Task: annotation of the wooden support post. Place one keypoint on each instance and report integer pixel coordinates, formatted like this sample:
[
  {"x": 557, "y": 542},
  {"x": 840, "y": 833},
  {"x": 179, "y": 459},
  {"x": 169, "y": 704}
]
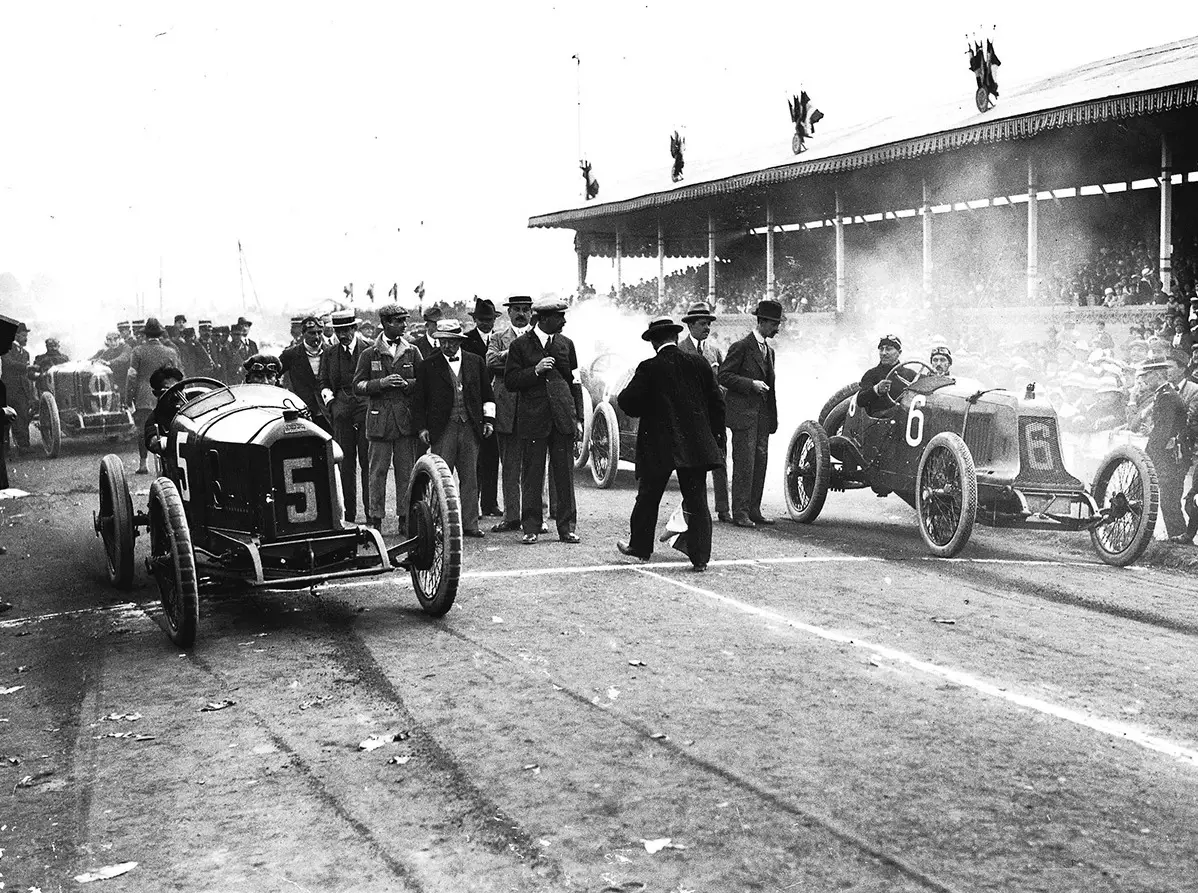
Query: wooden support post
[
  {"x": 769, "y": 249},
  {"x": 839, "y": 256},
  {"x": 661, "y": 265},
  {"x": 926, "y": 210},
  {"x": 1033, "y": 233},
  {"x": 711, "y": 259},
  {"x": 1166, "y": 254},
  {"x": 619, "y": 265}
]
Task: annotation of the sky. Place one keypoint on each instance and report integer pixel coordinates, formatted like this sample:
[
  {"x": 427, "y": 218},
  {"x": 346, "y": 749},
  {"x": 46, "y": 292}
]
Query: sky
[{"x": 396, "y": 142}]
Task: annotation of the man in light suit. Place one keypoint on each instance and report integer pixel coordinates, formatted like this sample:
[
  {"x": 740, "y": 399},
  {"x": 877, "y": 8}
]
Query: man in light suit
[
  {"x": 681, "y": 412},
  {"x": 477, "y": 342},
  {"x": 454, "y": 410},
  {"x": 301, "y": 369},
  {"x": 346, "y": 410},
  {"x": 519, "y": 309},
  {"x": 542, "y": 367},
  {"x": 386, "y": 376},
  {"x": 699, "y": 319},
  {"x": 752, "y": 411}
]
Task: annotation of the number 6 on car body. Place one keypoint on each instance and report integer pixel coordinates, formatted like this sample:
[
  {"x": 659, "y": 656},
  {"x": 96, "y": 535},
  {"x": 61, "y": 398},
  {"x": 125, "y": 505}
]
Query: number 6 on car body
[{"x": 915, "y": 421}]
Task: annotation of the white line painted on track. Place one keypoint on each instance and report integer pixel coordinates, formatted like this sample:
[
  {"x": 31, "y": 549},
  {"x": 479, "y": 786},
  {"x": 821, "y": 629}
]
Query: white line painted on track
[
  {"x": 957, "y": 677},
  {"x": 122, "y": 610}
]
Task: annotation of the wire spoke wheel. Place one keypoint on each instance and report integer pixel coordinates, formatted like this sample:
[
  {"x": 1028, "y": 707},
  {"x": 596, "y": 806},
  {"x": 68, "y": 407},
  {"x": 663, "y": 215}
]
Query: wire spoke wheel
[
  {"x": 605, "y": 445},
  {"x": 435, "y": 520},
  {"x": 1126, "y": 491},
  {"x": 807, "y": 472},
  {"x": 582, "y": 445},
  {"x": 946, "y": 495},
  {"x": 49, "y": 425},
  {"x": 172, "y": 563}
]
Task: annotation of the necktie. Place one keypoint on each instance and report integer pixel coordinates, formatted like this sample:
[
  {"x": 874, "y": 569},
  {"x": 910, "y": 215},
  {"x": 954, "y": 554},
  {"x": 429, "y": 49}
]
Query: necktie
[{"x": 701, "y": 353}]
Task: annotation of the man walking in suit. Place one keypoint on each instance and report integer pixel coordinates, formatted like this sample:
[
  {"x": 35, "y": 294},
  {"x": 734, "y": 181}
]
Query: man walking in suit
[
  {"x": 424, "y": 344},
  {"x": 542, "y": 367},
  {"x": 699, "y": 319},
  {"x": 15, "y": 375},
  {"x": 681, "y": 412},
  {"x": 146, "y": 359},
  {"x": 478, "y": 340},
  {"x": 346, "y": 410},
  {"x": 454, "y": 410},
  {"x": 752, "y": 410},
  {"x": 301, "y": 369},
  {"x": 519, "y": 309},
  {"x": 386, "y": 376}
]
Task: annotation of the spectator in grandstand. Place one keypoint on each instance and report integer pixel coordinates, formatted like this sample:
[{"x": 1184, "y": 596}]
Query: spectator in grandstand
[
  {"x": 1102, "y": 338},
  {"x": 1182, "y": 340}
]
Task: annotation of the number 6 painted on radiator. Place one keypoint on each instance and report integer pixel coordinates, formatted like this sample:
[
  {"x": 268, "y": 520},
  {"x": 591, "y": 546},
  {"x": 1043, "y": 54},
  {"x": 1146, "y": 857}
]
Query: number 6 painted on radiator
[{"x": 915, "y": 420}]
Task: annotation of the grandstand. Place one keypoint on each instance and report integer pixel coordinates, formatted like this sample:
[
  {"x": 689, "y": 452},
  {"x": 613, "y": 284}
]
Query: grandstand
[{"x": 1103, "y": 160}]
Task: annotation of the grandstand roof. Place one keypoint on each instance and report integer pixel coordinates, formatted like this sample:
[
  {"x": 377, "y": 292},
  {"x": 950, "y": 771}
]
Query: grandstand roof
[{"x": 1148, "y": 82}]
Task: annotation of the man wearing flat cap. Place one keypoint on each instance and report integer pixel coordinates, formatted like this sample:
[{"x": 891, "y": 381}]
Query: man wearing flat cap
[
  {"x": 454, "y": 412},
  {"x": 542, "y": 368},
  {"x": 301, "y": 369},
  {"x": 478, "y": 340},
  {"x": 878, "y": 389},
  {"x": 8, "y": 415},
  {"x": 519, "y": 310},
  {"x": 681, "y": 423},
  {"x": 698, "y": 320},
  {"x": 347, "y": 410},
  {"x": 145, "y": 360},
  {"x": 386, "y": 377},
  {"x": 14, "y": 373},
  {"x": 424, "y": 343},
  {"x": 752, "y": 412}
]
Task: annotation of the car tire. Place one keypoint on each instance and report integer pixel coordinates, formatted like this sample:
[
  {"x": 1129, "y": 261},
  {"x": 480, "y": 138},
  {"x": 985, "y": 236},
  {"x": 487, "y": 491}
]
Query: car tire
[
  {"x": 1126, "y": 474},
  {"x": 833, "y": 422},
  {"x": 49, "y": 425},
  {"x": 835, "y": 400},
  {"x": 172, "y": 563},
  {"x": 946, "y": 494},
  {"x": 582, "y": 448},
  {"x": 435, "y": 520},
  {"x": 605, "y": 445},
  {"x": 114, "y": 521},
  {"x": 807, "y": 472}
]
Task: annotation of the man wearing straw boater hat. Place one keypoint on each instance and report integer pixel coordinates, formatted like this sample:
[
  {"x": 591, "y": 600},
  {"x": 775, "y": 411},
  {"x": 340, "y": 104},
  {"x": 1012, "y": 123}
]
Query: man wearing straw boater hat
[
  {"x": 454, "y": 410},
  {"x": 681, "y": 412},
  {"x": 698, "y": 320},
  {"x": 345, "y": 409},
  {"x": 478, "y": 340},
  {"x": 752, "y": 411}
]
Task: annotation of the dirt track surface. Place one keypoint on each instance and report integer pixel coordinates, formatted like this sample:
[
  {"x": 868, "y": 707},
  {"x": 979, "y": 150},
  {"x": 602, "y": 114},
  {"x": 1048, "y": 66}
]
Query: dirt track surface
[{"x": 825, "y": 709}]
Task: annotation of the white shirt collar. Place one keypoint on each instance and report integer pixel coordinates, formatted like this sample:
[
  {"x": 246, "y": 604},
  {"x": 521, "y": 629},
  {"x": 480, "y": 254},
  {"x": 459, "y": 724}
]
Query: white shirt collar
[
  {"x": 520, "y": 331},
  {"x": 542, "y": 335},
  {"x": 456, "y": 363},
  {"x": 662, "y": 347},
  {"x": 760, "y": 339}
]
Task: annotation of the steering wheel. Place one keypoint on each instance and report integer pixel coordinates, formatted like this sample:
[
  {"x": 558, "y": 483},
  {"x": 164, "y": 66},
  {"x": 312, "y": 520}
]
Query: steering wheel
[
  {"x": 917, "y": 368},
  {"x": 190, "y": 388}
]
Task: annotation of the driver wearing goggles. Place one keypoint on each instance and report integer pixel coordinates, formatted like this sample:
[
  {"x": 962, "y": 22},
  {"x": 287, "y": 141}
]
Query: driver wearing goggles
[
  {"x": 879, "y": 390},
  {"x": 941, "y": 360},
  {"x": 262, "y": 368}
]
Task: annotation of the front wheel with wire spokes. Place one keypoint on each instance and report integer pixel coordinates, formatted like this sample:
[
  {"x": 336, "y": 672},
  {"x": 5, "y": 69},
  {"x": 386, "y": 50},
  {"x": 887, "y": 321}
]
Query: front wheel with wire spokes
[
  {"x": 807, "y": 472},
  {"x": 172, "y": 563},
  {"x": 946, "y": 494},
  {"x": 435, "y": 520},
  {"x": 1126, "y": 491}
]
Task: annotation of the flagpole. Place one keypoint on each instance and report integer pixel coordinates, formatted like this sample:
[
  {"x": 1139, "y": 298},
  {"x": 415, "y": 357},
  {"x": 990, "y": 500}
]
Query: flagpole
[{"x": 578, "y": 98}]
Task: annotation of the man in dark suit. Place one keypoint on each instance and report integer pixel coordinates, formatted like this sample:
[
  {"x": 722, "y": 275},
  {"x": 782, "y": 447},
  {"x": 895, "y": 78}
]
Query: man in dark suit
[
  {"x": 301, "y": 369},
  {"x": 478, "y": 341},
  {"x": 424, "y": 344},
  {"x": 542, "y": 367},
  {"x": 698, "y": 341},
  {"x": 22, "y": 398},
  {"x": 681, "y": 412},
  {"x": 752, "y": 411},
  {"x": 520, "y": 314},
  {"x": 8, "y": 332},
  {"x": 345, "y": 409},
  {"x": 454, "y": 411},
  {"x": 386, "y": 377}
]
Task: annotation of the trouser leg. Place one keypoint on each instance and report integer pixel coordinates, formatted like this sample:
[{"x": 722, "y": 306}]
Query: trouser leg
[
  {"x": 643, "y": 522},
  {"x": 380, "y": 458},
  {"x": 488, "y": 474},
  {"x": 139, "y": 425},
  {"x": 561, "y": 467},
  {"x": 361, "y": 455},
  {"x": 1169, "y": 477},
  {"x": 744, "y": 451},
  {"x": 693, "y": 484},
  {"x": 20, "y": 431},
  {"x": 404, "y": 457},
  {"x": 532, "y": 480},
  {"x": 761, "y": 456},
  {"x": 1191, "y": 504},
  {"x": 719, "y": 479},
  {"x": 346, "y": 437},
  {"x": 3, "y": 453},
  {"x": 510, "y": 453},
  {"x": 458, "y": 446}
]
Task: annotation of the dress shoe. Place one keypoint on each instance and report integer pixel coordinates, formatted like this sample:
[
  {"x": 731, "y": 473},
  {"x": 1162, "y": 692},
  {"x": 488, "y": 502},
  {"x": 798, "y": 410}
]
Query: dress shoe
[
  {"x": 698, "y": 568},
  {"x": 493, "y": 512},
  {"x": 528, "y": 539},
  {"x": 624, "y": 549},
  {"x": 544, "y": 528},
  {"x": 142, "y": 470},
  {"x": 743, "y": 521},
  {"x": 1182, "y": 540},
  {"x": 724, "y": 517},
  {"x": 474, "y": 534},
  {"x": 572, "y": 538},
  {"x": 759, "y": 519},
  {"x": 505, "y": 527}
]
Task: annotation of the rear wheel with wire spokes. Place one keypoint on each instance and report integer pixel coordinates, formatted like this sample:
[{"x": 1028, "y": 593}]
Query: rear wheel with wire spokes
[
  {"x": 435, "y": 520},
  {"x": 1125, "y": 487}
]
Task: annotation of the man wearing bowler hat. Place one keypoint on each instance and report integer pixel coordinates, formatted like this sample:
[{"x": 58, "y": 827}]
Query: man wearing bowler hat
[
  {"x": 519, "y": 311},
  {"x": 301, "y": 369},
  {"x": 346, "y": 410},
  {"x": 454, "y": 411},
  {"x": 681, "y": 412},
  {"x": 752, "y": 411},
  {"x": 542, "y": 368},
  {"x": 386, "y": 377},
  {"x": 698, "y": 320},
  {"x": 478, "y": 340}
]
